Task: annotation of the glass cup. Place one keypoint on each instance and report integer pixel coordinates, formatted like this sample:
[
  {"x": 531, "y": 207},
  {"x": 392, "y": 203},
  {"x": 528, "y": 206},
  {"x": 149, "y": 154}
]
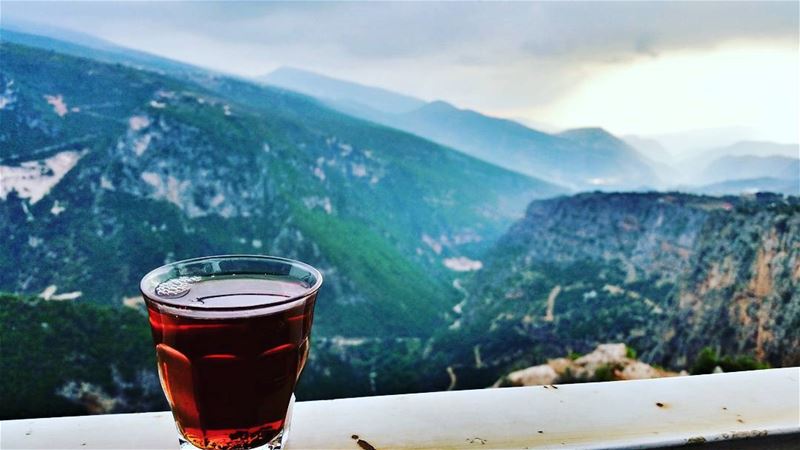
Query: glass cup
[{"x": 232, "y": 337}]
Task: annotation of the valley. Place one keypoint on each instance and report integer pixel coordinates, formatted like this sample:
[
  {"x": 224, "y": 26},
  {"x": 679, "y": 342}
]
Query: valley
[
  {"x": 143, "y": 169},
  {"x": 457, "y": 248}
]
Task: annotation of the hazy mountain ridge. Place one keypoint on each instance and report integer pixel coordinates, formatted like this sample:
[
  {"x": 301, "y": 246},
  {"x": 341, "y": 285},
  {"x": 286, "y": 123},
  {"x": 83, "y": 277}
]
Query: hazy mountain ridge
[
  {"x": 684, "y": 143},
  {"x": 742, "y": 160},
  {"x": 738, "y": 167},
  {"x": 650, "y": 148},
  {"x": 580, "y": 161},
  {"x": 335, "y": 90},
  {"x": 584, "y": 159},
  {"x": 614, "y": 156},
  {"x": 87, "y": 46},
  {"x": 744, "y": 167},
  {"x": 750, "y": 185},
  {"x": 747, "y": 148}
]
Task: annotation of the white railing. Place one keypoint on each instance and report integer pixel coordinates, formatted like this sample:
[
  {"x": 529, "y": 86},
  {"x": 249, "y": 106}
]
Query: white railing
[{"x": 758, "y": 409}]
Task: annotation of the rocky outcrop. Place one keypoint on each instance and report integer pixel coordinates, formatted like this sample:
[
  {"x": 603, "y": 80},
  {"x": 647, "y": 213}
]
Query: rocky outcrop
[
  {"x": 606, "y": 363},
  {"x": 88, "y": 395},
  {"x": 644, "y": 234},
  {"x": 742, "y": 294},
  {"x": 669, "y": 274}
]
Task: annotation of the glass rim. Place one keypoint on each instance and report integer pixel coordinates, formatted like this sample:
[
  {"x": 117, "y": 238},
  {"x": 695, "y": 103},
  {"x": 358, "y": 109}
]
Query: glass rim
[{"x": 292, "y": 262}]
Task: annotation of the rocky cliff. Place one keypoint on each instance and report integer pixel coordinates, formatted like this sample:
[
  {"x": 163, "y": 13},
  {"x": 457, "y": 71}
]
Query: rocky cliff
[
  {"x": 669, "y": 274},
  {"x": 741, "y": 293}
]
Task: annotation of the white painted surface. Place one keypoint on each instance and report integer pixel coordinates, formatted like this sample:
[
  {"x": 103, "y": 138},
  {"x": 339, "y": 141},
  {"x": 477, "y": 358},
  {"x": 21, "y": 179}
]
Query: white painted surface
[{"x": 622, "y": 414}]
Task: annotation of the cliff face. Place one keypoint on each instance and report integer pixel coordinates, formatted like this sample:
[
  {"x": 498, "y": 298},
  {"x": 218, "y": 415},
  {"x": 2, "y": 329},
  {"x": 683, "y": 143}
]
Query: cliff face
[
  {"x": 742, "y": 291},
  {"x": 668, "y": 274},
  {"x": 644, "y": 234}
]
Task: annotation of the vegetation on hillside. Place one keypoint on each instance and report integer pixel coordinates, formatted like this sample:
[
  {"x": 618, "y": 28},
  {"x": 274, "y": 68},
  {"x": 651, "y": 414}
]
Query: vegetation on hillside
[
  {"x": 172, "y": 168},
  {"x": 668, "y": 274},
  {"x": 175, "y": 168},
  {"x": 69, "y": 358}
]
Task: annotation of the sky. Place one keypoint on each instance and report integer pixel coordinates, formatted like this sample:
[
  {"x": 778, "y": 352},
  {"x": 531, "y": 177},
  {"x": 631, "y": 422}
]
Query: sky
[{"x": 645, "y": 68}]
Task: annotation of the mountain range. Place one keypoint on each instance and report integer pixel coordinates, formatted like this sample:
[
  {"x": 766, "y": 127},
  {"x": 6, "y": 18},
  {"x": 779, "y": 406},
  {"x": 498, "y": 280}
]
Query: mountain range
[
  {"x": 630, "y": 163},
  {"x": 231, "y": 167},
  {"x": 580, "y": 159},
  {"x": 450, "y": 256},
  {"x": 342, "y": 92},
  {"x": 746, "y": 166},
  {"x": 108, "y": 170},
  {"x": 84, "y": 45}
]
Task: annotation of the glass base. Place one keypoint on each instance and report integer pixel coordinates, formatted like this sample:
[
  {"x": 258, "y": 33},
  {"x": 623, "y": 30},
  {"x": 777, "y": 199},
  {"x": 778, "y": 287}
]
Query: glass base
[{"x": 277, "y": 443}]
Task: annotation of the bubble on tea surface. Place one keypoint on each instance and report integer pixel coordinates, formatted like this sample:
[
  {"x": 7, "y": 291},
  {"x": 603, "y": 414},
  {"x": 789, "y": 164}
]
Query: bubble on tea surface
[{"x": 176, "y": 287}]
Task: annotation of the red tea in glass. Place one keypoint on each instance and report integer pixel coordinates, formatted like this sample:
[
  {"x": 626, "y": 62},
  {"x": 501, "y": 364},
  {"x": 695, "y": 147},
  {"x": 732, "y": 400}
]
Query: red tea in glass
[{"x": 232, "y": 337}]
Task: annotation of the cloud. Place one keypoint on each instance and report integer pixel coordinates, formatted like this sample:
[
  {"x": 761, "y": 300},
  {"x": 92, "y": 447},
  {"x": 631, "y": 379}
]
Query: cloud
[
  {"x": 500, "y": 57},
  {"x": 487, "y": 32}
]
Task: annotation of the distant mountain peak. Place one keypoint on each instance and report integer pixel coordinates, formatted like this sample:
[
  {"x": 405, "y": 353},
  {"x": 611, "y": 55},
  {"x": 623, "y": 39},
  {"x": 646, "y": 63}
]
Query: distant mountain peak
[
  {"x": 579, "y": 158},
  {"x": 334, "y": 89},
  {"x": 595, "y": 137},
  {"x": 440, "y": 104},
  {"x": 588, "y": 132}
]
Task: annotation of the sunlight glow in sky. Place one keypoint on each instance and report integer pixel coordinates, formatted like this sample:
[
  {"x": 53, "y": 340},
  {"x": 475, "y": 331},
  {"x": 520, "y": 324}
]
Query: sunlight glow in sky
[
  {"x": 646, "y": 68},
  {"x": 736, "y": 84}
]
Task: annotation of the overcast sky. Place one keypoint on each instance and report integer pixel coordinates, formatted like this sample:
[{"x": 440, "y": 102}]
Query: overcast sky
[{"x": 643, "y": 67}]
